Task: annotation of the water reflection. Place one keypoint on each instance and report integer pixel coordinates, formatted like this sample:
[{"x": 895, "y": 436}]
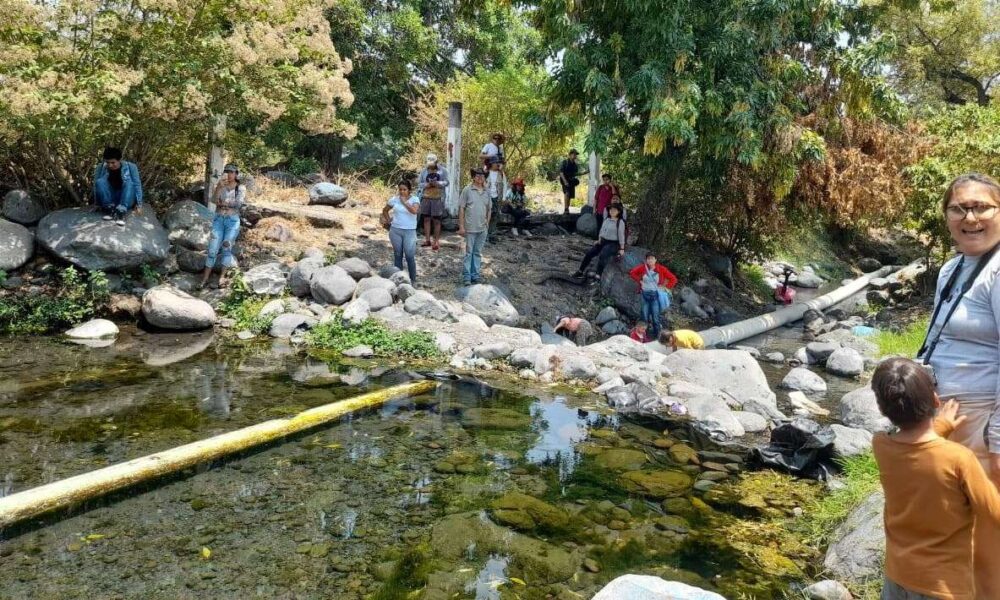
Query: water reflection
[
  {"x": 562, "y": 428},
  {"x": 490, "y": 578}
]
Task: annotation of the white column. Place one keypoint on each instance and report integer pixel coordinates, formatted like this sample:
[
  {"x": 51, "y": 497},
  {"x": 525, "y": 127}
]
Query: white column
[
  {"x": 594, "y": 179},
  {"x": 454, "y": 157},
  {"x": 216, "y": 158}
]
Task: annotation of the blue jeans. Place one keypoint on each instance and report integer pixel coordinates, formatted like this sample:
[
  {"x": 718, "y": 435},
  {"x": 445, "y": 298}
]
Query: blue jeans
[
  {"x": 225, "y": 229},
  {"x": 473, "y": 256},
  {"x": 404, "y": 243},
  {"x": 651, "y": 310},
  {"x": 108, "y": 198}
]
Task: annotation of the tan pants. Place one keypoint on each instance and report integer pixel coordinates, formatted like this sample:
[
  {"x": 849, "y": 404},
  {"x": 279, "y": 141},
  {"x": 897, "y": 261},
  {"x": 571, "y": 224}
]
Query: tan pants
[{"x": 985, "y": 536}]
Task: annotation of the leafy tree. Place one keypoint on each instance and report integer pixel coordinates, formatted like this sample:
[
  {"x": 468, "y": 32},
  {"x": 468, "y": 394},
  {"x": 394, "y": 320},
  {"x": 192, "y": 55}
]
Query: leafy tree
[
  {"x": 150, "y": 76},
  {"x": 512, "y": 100},
  {"x": 949, "y": 50},
  {"x": 715, "y": 93}
]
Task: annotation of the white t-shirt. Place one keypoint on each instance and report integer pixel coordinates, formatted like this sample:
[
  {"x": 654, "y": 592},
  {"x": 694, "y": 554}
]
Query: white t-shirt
[
  {"x": 491, "y": 149},
  {"x": 493, "y": 184}
]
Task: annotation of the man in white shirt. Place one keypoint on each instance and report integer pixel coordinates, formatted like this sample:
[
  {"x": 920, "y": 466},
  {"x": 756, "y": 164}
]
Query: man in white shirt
[{"x": 493, "y": 149}]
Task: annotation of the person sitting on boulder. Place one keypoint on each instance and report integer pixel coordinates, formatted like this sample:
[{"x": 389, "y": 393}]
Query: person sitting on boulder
[
  {"x": 651, "y": 277},
  {"x": 117, "y": 187},
  {"x": 682, "y": 339},
  {"x": 936, "y": 490},
  {"x": 639, "y": 333},
  {"x": 610, "y": 239},
  {"x": 431, "y": 185},
  {"x": 574, "y": 328},
  {"x": 514, "y": 205},
  {"x": 229, "y": 195}
]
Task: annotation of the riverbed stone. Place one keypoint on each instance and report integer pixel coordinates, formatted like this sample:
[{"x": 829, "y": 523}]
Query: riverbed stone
[
  {"x": 859, "y": 409},
  {"x": 621, "y": 459},
  {"x": 714, "y": 415},
  {"x": 325, "y": 193},
  {"x": 93, "y": 329},
  {"x": 751, "y": 422},
  {"x": 301, "y": 275},
  {"x": 360, "y": 351},
  {"x": 283, "y": 326},
  {"x": 803, "y": 380},
  {"x": 846, "y": 362},
  {"x": 774, "y": 357},
  {"x": 356, "y": 311},
  {"x": 657, "y": 484},
  {"x": 376, "y": 282},
  {"x": 608, "y": 313},
  {"x": 169, "y": 308},
  {"x": 20, "y": 207},
  {"x": 827, "y": 590},
  {"x": 273, "y": 308},
  {"x": 355, "y": 267},
  {"x": 729, "y": 373},
  {"x": 575, "y": 366},
  {"x": 82, "y": 237},
  {"x": 820, "y": 351},
  {"x": 526, "y": 513},
  {"x": 848, "y": 441},
  {"x": 493, "y": 350},
  {"x": 845, "y": 338},
  {"x": 444, "y": 342},
  {"x": 495, "y": 418},
  {"x": 855, "y": 555},
  {"x": 332, "y": 285},
  {"x": 268, "y": 279},
  {"x": 424, "y": 304},
  {"x": 621, "y": 348},
  {"x": 490, "y": 303},
  {"x": 648, "y": 587},
  {"x": 522, "y": 358},
  {"x": 377, "y": 298},
  {"x": 16, "y": 245}
]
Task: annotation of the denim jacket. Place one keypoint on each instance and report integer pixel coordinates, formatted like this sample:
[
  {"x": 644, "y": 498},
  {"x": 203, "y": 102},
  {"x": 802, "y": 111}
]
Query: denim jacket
[{"x": 130, "y": 179}]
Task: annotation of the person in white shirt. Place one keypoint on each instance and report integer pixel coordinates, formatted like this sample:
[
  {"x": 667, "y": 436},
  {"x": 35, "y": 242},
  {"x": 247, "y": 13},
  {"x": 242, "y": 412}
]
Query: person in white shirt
[
  {"x": 496, "y": 184},
  {"x": 493, "y": 149}
]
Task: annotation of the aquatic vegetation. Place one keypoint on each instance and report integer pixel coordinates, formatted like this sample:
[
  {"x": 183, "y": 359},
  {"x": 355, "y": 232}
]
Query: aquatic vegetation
[
  {"x": 243, "y": 306},
  {"x": 905, "y": 342},
  {"x": 77, "y": 297},
  {"x": 338, "y": 335}
]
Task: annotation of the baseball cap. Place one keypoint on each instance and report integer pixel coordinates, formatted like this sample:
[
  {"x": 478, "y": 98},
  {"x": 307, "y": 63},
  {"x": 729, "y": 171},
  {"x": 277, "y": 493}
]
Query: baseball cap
[
  {"x": 432, "y": 158},
  {"x": 477, "y": 171},
  {"x": 230, "y": 168}
]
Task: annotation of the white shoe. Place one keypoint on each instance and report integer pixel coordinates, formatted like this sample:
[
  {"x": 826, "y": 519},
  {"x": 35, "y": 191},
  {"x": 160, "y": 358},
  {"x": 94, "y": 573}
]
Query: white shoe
[
  {"x": 107, "y": 217},
  {"x": 514, "y": 231},
  {"x": 526, "y": 233}
]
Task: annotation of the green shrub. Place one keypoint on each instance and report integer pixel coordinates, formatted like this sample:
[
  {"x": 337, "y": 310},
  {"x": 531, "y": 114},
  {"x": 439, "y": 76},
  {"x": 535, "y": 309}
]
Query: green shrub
[
  {"x": 243, "y": 306},
  {"x": 303, "y": 165},
  {"x": 76, "y": 299},
  {"x": 339, "y": 335},
  {"x": 758, "y": 281},
  {"x": 906, "y": 342}
]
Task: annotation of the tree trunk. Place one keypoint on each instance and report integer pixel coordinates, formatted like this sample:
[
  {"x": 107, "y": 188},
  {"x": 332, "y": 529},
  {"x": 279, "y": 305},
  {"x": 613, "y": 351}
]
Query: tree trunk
[
  {"x": 328, "y": 149},
  {"x": 651, "y": 222}
]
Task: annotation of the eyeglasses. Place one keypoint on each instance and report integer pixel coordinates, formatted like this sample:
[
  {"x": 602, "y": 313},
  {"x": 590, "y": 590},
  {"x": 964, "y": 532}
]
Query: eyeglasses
[{"x": 980, "y": 211}]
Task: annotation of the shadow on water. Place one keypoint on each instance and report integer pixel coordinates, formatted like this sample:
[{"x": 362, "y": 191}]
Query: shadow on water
[{"x": 470, "y": 491}]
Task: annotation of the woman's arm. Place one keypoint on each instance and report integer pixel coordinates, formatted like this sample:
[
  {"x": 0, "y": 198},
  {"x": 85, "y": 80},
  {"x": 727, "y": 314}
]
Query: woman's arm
[
  {"x": 386, "y": 209},
  {"x": 993, "y": 428},
  {"x": 412, "y": 205}
]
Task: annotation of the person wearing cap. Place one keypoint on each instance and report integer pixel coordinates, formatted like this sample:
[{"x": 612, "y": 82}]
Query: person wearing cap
[
  {"x": 493, "y": 149},
  {"x": 430, "y": 187},
  {"x": 569, "y": 172},
  {"x": 117, "y": 186},
  {"x": 473, "y": 225},
  {"x": 496, "y": 183},
  {"x": 514, "y": 205},
  {"x": 228, "y": 196}
]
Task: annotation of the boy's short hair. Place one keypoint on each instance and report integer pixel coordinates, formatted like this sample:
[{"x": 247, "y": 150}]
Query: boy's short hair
[
  {"x": 665, "y": 337},
  {"x": 641, "y": 324},
  {"x": 904, "y": 391},
  {"x": 606, "y": 176},
  {"x": 112, "y": 153},
  {"x": 650, "y": 255}
]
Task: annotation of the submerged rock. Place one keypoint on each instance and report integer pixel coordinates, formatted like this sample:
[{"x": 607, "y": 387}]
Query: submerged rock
[
  {"x": 495, "y": 418},
  {"x": 657, "y": 484},
  {"x": 621, "y": 459},
  {"x": 526, "y": 513}
]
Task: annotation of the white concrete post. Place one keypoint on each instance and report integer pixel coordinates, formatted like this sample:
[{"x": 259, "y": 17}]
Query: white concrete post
[
  {"x": 216, "y": 158},
  {"x": 454, "y": 157},
  {"x": 594, "y": 180}
]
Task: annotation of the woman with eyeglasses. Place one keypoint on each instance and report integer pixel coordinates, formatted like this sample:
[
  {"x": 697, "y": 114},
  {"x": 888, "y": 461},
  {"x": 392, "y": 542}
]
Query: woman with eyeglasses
[{"x": 962, "y": 345}]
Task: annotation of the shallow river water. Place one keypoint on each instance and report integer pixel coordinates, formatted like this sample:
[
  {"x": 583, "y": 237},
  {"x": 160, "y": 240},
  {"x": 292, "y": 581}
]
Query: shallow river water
[{"x": 468, "y": 492}]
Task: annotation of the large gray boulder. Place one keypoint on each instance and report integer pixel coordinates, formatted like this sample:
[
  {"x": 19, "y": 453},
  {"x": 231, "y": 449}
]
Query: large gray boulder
[
  {"x": 731, "y": 374},
  {"x": 20, "y": 207},
  {"x": 424, "y": 304},
  {"x": 575, "y": 366},
  {"x": 189, "y": 224},
  {"x": 355, "y": 267},
  {"x": 268, "y": 279},
  {"x": 648, "y": 587},
  {"x": 803, "y": 380},
  {"x": 608, "y": 313},
  {"x": 713, "y": 415},
  {"x": 332, "y": 285},
  {"x": 621, "y": 349},
  {"x": 82, "y": 237},
  {"x": 586, "y": 225},
  {"x": 169, "y": 308},
  {"x": 848, "y": 441},
  {"x": 381, "y": 283},
  {"x": 619, "y": 287},
  {"x": 859, "y": 409},
  {"x": 16, "y": 245},
  {"x": 377, "y": 298},
  {"x": 846, "y": 362},
  {"x": 301, "y": 276},
  {"x": 845, "y": 338},
  {"x": 489, "y": 303},
  {"x": 283, "y": 326},
  {"x": 858, "y": 546},
  {"x": 327, "y": 194},
  {"x": 189, "y": 261}
]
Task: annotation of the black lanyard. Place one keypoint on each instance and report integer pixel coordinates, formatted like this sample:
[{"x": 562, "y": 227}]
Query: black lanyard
[{"x": 927, "y": 349}]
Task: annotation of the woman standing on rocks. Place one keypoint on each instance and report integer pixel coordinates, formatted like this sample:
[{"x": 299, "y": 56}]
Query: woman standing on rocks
[
  {"x": 228, "y": 197},
  {"x": 403, "y": 227},
  {"x": 963, "y": 342}
]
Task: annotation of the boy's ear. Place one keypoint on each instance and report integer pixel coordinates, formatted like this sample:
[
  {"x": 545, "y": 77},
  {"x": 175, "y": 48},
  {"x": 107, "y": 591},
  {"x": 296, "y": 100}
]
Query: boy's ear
[{"x": 937, "y": 400}]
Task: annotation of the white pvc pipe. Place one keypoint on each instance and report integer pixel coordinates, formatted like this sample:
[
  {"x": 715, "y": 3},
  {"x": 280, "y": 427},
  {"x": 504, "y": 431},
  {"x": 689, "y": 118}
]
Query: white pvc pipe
[{"x": 728, "y": 334}]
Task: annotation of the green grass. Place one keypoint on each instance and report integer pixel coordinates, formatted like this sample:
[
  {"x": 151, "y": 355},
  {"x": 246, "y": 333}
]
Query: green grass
[
  {"x": 757, "y": 278},
  {"x": 904, "y": 343},
  {"x": 339, "y": 335},
  {"x": 243, "y": 306}
]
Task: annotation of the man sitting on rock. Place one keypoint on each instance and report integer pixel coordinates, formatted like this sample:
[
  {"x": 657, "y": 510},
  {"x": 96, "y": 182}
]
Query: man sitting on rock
[{"x": 117, "y": 187}]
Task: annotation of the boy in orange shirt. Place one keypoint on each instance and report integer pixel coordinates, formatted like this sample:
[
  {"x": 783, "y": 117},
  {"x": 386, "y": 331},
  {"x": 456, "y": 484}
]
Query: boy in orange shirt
[{"x": 935, "y": 490}]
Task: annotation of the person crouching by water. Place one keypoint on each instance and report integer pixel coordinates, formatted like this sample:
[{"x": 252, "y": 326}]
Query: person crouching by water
[
  {"x": 403, "y": 228},
  {"x": 117, "y": 187},
  {"x": 574, "y": 328},
  {"x": 431, "y": 185},
  {"x": 936, "y": 491},
  {"x": 228, "y": 196},
  {"x": 681, "y": 339},
  {"x": 610, "y": 240}
]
